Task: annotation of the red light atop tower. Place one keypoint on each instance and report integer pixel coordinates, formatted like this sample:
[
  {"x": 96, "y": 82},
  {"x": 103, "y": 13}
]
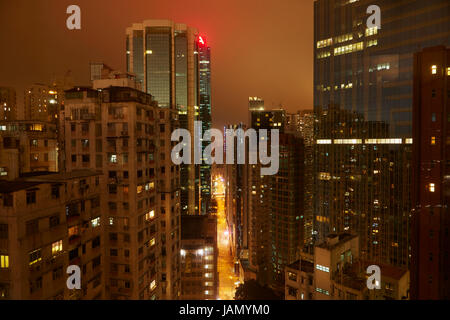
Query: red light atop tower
[{"x": 201, "y": 41}]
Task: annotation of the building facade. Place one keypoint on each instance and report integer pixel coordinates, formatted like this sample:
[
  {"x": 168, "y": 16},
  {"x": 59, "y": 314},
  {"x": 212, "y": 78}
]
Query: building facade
[
  {"x": 122, "y": 132},
  {"x": 48, "y": 222},
  {"x": 363, "y": 97},
  {"x": 430, "y": 262},
  {"x": 199, "y": 277}
]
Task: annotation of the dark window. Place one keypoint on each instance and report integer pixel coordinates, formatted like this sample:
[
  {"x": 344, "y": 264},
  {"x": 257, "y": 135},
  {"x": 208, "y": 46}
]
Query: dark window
[
  {"x": 55, "y": 191},
  {"x": 32, "y": 227},
  {"x": 73, "y": 254},
  {"x": 113, "y": 236},
  {"x": 96, "y": 262},
  {"x": 96, "y": 242},
  {"x": 8, "y": 200},
  {"x": 54, "y": 221},
  {"x": 31, "y": 197},
  {"x": 3, "y": 231}
]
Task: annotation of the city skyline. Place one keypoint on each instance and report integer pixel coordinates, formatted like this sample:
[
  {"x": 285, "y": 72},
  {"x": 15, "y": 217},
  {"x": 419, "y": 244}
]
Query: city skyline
[
  {"x": 144, "y": 173},
  {"x": 252, "y": 34}
]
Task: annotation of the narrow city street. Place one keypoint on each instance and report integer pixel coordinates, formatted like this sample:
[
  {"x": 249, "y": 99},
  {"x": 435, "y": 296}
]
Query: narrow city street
[{"x": 227, "y": 278}]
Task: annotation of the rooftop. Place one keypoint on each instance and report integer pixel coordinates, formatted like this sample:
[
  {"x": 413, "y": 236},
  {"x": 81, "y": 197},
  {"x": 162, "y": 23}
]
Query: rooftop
[
  {"x": 334, "y": 240},
  {"x": 302, "y": 265},
  {"x": 17, "y": 185},
  {"x": 33, "y": 179}
]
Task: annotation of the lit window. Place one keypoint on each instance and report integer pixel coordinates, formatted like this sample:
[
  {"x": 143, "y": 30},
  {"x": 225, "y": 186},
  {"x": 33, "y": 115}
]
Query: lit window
[
  {"x": 432, "y": 187},
  {"x": 153, "y": 285},
  {"x": 111, "y": 221},
  {"x": 35, "y": 256},
  {"x": 95, "y": 222},
  {"x": 152, "y": 242},
  {"x": 434, "y": 69},
  {"x": 57, "y": 247},
  {"x": 150, "y": 215},
  {"x": 433, "y": 140},
  {"x": 322, "y": 268},
  {"x": 4, "y": 262},
  {"x": 448, "y": 71}
]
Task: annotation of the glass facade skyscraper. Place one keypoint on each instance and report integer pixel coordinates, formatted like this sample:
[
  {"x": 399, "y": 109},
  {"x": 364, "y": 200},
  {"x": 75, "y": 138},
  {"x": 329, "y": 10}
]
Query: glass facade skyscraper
[
  {"x": 363, "y": 104},
  {"x": 173, "y": 64},
  {"x": 204, "y": 115}
]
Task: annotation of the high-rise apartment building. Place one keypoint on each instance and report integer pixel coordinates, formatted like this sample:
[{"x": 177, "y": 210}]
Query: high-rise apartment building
[
  {"x": 173, "y": 64},
  {"x": 122, "y": 132},
  {"x": 284, "y": 199},
  {"x": 48, "y": 222},
  {"x": 430, "y": 242},
  {"x": 363, "y": 97},
  {"x": 274, "y": 206},
  {"x": 199, "y": 276},
  {"x": 302, "y": 123},
  {"x": 8, "y": 104},
  {"x": 236, "y": 200}
]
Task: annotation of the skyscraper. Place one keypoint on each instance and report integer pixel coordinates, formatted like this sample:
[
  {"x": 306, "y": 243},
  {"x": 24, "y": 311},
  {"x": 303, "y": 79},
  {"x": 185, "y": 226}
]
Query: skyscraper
[
  {"x": 302, "y": 123},
  {"x": 430, "y": 241},
  {"x": 274, "y": 206},
  {"x": 363, "y": 97},
  {"x": 204, "y": 115},
  {"x": 173, "y": 64}
]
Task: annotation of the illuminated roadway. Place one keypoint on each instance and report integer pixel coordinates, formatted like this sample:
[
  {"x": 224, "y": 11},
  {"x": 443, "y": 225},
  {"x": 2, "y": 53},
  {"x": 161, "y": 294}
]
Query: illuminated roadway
[{"x": 225, "y": 265}]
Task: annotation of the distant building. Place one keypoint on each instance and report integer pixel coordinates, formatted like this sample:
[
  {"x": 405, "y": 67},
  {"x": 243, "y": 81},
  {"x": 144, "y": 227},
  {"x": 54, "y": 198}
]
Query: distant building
[
  {"x": 8, "y": 104},
  {"x": 302, "y": 123},
  {"x": 43, "y": 102},
  {"x": 430, "y": 191},
  {"x": 172, "y": 62},
  {"x": 199, "y": 253}
]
